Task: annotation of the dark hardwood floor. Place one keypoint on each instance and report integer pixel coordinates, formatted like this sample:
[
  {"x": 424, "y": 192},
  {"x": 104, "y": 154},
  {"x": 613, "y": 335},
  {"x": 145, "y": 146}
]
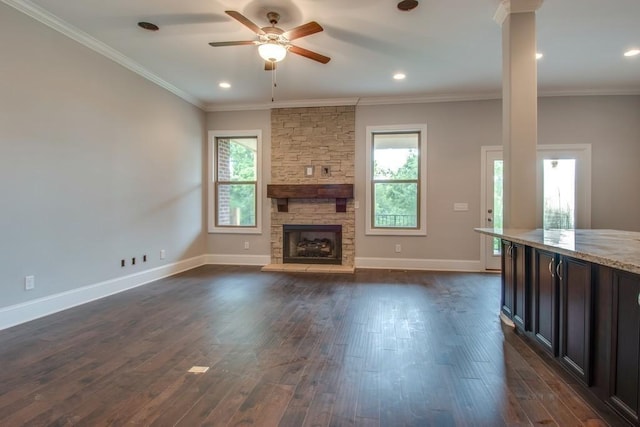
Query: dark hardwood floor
[{"x": 378, "y": 348}]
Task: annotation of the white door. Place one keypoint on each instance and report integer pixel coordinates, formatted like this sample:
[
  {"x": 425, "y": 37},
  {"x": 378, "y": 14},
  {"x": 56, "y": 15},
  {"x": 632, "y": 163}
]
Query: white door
[
  {"x": 491, "y": 204},
  {"x": 564, "y": 186},
  {"x": 563, "y": 192}
]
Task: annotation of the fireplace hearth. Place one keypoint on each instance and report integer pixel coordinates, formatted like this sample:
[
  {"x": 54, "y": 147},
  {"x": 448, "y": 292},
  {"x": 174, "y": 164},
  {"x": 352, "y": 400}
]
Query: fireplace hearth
[{"x": 312, "y": 244}]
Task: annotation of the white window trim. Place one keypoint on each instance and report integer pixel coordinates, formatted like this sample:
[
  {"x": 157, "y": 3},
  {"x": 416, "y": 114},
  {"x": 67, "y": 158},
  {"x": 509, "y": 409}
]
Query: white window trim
[
  {"x": 211, "y": 211},
  {"x": 422, "y": 231}
]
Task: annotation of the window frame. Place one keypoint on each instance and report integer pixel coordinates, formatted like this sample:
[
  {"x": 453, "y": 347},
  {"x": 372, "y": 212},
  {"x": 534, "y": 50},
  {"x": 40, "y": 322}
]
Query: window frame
[
  {"x": 212, "y": 211},
  {"x": 421, "y": 230}
]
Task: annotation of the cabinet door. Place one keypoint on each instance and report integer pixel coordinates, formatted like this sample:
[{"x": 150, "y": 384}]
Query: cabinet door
[
  {"x": 520, "y": 288},
  {"x": 508, "y": 278},
  {"x": 625, "y": 342},
  {"x": 544, "y": 289},
  {"x": 574, "y": 278}
]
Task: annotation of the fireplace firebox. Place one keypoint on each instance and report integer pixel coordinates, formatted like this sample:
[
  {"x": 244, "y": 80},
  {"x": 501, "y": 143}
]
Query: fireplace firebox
[{"x": 312, "y": 244}]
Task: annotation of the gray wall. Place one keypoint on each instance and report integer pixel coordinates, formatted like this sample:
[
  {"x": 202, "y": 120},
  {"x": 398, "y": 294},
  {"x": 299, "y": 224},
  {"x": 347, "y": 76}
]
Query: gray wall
[
  {"x": 259, "y": 244},
  {"x": 456, "y": 131},
  {"x": 96, "y": 164}
]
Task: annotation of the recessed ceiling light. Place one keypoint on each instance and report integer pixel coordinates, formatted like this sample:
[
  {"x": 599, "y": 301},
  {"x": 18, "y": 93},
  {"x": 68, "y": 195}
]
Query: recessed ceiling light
[
  {"x": 632, "y": 52},
  {"x": 399, "y": 76},
  {"x": 148, "y": 26},
  {"x": 539, "y": 55},
  {"x": 225, "y": 85}
]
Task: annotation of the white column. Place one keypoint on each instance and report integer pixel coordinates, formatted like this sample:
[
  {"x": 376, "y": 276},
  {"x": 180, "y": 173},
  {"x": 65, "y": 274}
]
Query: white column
[{"x": 519, "y": 111}]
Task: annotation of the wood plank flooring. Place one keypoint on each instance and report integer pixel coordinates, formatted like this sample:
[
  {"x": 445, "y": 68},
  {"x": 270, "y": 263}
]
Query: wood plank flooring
[{"x": 377, "y": 348}]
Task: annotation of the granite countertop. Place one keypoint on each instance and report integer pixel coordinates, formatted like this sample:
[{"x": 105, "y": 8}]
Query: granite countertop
[{"x": 612, "y": 248}]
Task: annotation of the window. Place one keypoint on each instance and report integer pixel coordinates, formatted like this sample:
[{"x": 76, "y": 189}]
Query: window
[
  {"x": 234, "y": 185},
  {"x": 396, "y": 171}
]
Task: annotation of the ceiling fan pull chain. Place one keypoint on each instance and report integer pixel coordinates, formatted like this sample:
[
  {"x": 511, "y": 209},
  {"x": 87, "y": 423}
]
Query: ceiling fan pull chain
[{"x": 274, "y": 84}]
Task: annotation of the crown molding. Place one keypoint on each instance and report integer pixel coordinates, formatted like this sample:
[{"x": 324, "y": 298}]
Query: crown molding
[
  {"x": 632, "y": 91},
  {"x": 399, "y": 100},
  {"x": 427, "y": 99},
  {"x": 300, "y": 103},
  {"x": 36, "y": 12}
]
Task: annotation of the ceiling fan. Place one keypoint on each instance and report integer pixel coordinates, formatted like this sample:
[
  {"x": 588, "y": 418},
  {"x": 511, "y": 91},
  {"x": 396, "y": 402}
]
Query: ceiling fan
[{"x": 273, "y": 42}]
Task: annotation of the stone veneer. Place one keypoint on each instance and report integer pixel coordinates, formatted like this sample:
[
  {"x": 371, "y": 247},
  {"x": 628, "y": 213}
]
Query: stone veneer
[{"x": 314, "y": 136}]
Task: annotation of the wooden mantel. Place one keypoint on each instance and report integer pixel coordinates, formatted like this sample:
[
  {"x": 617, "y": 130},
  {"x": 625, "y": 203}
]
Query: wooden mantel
[{"x": 284, "y": 192}]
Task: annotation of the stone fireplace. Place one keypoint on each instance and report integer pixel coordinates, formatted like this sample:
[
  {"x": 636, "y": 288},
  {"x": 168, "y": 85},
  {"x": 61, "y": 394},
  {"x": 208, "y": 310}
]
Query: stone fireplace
[{"x": 313, "y": 148}]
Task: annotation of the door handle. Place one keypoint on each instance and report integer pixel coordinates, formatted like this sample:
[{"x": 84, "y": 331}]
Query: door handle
[
  {"x": 551, "y": 268},
  {"x": 558, "y": 271}
]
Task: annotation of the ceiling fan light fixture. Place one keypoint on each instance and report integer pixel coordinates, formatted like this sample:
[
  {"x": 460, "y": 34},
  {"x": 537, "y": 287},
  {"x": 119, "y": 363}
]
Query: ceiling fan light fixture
[{"x": 272, "y": 51}]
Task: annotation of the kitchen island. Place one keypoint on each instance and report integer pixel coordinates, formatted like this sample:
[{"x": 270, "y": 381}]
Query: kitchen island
[{"x": 576, "y": 295}]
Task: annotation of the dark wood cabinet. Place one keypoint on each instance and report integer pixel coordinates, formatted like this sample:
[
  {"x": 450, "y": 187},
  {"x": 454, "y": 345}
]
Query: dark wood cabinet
[
  {"x": 514, "y": 284},
  {"x": 575, "y": 315},
  {"x": 545, "y": 300},
  {"x": 585, "y": 315},
  {"x": 508, "y": 279},
  {"x": 625, "y": 345}
]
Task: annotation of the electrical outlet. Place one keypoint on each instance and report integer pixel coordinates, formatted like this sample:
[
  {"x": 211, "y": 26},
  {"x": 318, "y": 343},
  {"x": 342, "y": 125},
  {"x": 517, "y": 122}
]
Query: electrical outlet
[
  {"x": 122, "y": 263},
  {"x": 29, "y": 283},
  {"x": 246, "y": 245},
  {"x": 398, "y": 248},
  {"x": 163, "y": 253}
]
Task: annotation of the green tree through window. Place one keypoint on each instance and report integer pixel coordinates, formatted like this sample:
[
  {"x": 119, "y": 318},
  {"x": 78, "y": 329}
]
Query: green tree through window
[
  {"x": 395, "y": 180},
  {"x": 236, "y": 181}
]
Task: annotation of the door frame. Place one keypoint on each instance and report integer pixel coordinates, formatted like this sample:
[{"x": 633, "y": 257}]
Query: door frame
[
  {"x": 484, "y": 239},
  {"x": 581, "y": 152},
  {"x": 584, "y": 176}
]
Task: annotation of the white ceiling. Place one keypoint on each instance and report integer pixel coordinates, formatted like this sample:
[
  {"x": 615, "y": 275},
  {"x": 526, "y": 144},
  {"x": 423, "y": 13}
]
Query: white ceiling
[{"x": 449, "y": 49}]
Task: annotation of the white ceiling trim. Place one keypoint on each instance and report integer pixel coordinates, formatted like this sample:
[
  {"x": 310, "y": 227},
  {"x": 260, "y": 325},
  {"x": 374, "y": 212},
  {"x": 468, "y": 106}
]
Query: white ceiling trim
[
  {"x": 427, "y": 99},
  {"x": 399, "y": 100},
  {"x": 591, "y": 92},
  {"x": 52, "y": 21},
  {"x": 329, "y": 102}
]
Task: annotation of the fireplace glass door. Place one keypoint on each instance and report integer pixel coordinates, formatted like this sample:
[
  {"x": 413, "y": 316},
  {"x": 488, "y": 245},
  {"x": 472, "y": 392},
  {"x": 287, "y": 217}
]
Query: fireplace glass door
[{"x": 312, "y": 244}]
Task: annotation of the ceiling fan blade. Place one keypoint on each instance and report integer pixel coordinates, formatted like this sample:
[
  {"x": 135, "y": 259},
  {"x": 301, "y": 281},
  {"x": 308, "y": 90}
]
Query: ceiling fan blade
[
  {"x": 244, "y": 21},
  {"x": 269, "y": 65},
  {"x": 309, "y": 54},
  {"x": 303, "y": 30},
  {"x": 234, "y": 43}
]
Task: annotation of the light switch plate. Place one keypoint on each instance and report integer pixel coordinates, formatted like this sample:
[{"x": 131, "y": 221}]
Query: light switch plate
[{"x": 308, "y": 171}]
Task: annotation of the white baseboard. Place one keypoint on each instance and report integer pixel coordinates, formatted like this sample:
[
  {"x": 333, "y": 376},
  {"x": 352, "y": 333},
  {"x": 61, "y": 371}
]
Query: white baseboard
[
  {"x": 20, "y": 313},
  {"x": 30, "y": 310},
  {"x": 420, "y": 264},
  {"x": 237, "y": 259}
]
